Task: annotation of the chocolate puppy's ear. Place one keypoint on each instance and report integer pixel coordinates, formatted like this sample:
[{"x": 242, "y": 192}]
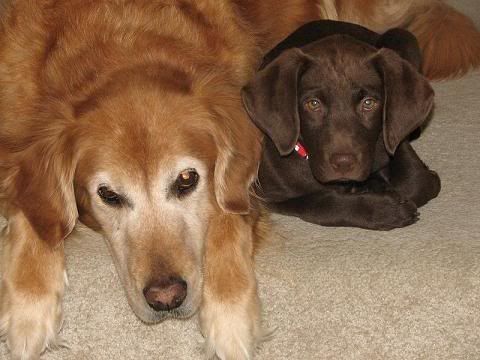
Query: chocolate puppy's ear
[
  {"x": 404, "y": 43},
  {"x": 408, "y": 97},
  {"x": 271, "y": 99}
]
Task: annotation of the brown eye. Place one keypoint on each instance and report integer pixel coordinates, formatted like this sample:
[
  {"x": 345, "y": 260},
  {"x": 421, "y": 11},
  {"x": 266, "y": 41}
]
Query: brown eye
[
  {"x": 109, "y": 197},
  {"x": 312, "y": 104},
  {"x": 186, "y": 181},
  {"x": 369, "y": 104}
]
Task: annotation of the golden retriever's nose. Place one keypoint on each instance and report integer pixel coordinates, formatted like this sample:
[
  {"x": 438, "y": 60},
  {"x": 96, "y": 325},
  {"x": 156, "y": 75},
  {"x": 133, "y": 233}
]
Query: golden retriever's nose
[
  {"x": 343, "y": 163},
  {"x": 166, "y": 293}
]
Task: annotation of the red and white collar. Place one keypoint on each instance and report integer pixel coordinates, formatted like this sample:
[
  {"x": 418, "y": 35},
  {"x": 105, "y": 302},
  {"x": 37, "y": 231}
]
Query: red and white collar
[{"x": 301, "y": 151}]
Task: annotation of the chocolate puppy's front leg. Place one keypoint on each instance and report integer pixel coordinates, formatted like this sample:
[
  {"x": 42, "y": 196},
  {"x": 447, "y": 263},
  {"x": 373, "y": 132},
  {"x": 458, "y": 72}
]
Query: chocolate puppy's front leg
[
  {"x": 369, "y": 210},
  {"x": 410, "y": 177}
]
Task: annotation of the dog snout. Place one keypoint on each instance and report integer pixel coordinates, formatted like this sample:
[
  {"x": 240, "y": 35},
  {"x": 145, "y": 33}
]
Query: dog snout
[
  {"x": 166, "y": 293},
  {"x": 343, "y": 163}
]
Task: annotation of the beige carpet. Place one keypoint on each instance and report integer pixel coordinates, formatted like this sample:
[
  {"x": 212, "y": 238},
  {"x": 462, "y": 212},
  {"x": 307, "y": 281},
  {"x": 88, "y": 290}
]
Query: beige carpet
[{"x": 332, "y": 293}]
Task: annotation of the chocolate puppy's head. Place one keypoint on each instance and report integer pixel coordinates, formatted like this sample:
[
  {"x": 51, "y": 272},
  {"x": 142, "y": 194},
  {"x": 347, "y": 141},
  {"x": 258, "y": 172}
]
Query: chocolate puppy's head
[{"x": 348, "y": 102}]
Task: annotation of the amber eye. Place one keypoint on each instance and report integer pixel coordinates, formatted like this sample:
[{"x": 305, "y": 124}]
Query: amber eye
[
  {"x": 186, "y": 181},
  {"x": 109, "y": 197},
  {"x": 312, "y": 104},
  {"x": 369, "y": 104}
]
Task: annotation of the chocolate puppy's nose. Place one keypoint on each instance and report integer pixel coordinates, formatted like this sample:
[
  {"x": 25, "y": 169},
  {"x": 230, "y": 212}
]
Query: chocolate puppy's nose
[
  {"x": 166, "y": 293},
  {"x": 342, "y": 163}
]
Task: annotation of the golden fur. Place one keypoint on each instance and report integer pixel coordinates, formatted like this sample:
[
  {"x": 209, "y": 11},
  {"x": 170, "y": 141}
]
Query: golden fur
[
  {"x": 449, "y": 40},
  {"x": 132, "y": 104},
  {"x": 131, "y": 93}
]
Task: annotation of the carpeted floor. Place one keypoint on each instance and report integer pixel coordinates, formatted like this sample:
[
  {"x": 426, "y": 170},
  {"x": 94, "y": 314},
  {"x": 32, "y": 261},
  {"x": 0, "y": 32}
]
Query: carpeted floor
[{"x": 331, "y": 293}]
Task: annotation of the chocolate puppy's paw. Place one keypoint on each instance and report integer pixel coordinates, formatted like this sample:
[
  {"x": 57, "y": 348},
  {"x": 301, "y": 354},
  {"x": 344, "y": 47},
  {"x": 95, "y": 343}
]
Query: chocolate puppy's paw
[
  {"x": 392, "y": 211},
  {"x": 424, "y": 187},
  {"x": 436, "y": 184}
]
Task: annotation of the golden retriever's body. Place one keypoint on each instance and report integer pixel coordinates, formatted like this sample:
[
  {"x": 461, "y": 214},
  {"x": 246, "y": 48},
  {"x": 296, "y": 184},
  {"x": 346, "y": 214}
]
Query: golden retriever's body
[
  {"x": 132, "y": 96},
  {"x": 449, "y": 40},
  {"x": 128, "y": 94}
]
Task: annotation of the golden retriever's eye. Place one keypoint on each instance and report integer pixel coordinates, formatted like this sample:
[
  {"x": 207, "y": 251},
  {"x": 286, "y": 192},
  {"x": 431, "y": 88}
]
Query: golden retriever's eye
[
  {"x": 186, "y": 181},
  {"x": 312, "y": 104},
  {"x": 369, "y": 104},
  {"x": 109, "y": 197}
]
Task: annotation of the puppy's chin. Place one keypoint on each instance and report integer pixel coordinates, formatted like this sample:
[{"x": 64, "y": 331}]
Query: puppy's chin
[
  {"x": 328, "y": 176},
  {"x": 343, "y": 182},
  {"x": 340, "y": 179}
]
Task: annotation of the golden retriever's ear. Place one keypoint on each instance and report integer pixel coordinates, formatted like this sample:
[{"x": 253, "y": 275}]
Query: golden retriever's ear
[
  {"x": 42, "y": 188},
  {"x": 408, "y": 97},
  {"x": 238, "y": 156}
]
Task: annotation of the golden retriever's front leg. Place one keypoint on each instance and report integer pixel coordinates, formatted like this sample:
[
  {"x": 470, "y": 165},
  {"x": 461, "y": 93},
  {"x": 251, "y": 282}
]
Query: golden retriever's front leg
[
  {"x": 230, "y": 311},
  {"x": 33, "y": 282}
]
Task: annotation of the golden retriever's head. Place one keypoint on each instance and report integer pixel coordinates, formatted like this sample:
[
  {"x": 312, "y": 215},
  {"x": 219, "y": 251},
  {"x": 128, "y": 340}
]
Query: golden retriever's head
[{"x": 146, "y": 159}]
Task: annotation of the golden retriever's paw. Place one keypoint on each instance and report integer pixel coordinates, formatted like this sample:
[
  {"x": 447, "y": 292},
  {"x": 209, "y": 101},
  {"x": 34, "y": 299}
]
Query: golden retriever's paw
[
  {"x": 231, "y": 332},
  {"x": 31, "y": 327}
]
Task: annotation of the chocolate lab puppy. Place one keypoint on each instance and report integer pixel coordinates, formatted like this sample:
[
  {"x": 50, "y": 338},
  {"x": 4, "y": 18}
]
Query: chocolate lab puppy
[{"x": 338, "y": 104}]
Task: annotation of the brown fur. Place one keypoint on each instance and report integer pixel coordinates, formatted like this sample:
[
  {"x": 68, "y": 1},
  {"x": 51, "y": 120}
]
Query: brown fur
[{"x": 125, "y": 86}]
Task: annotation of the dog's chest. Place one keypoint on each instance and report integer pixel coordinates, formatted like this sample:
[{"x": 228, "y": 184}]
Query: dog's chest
[{"x": 285, "y": 177}]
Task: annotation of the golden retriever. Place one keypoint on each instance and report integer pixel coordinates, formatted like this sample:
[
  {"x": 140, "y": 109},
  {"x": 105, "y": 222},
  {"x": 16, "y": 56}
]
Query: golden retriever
[
  {"x": 134, "y": 126},
  {"x": 127, "y": 115}
]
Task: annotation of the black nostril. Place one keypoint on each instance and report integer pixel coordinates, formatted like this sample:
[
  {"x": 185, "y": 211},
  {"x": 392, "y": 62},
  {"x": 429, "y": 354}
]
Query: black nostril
[
  {"x": 166, "y": 293},
  {"x": 342, "y": 162}
]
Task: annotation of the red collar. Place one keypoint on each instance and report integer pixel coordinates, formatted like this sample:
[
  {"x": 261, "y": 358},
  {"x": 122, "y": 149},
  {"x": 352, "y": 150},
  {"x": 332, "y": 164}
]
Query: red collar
[{"x": 301, "y": 151}]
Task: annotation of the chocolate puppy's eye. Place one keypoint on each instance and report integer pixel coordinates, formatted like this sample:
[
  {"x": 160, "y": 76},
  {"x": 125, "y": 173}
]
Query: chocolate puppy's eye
[
  {"x": 369, "y": 104},
  {"x": 186, "y": 181},
  {"x": 312, "y": 104},
  {"x": 109, "y": 197}
]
